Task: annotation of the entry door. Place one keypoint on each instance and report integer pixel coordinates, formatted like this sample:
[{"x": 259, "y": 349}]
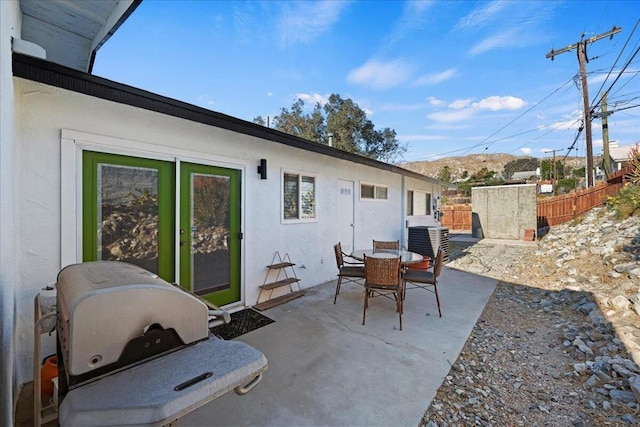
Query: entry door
[
  {"x": 210, "y": 232},
  {"x": 345, "y": 215}
]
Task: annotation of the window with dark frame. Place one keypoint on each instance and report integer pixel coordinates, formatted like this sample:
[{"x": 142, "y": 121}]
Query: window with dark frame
[
  {"x": 374, "y": 192},
  {"x": 298, "y": 197}
]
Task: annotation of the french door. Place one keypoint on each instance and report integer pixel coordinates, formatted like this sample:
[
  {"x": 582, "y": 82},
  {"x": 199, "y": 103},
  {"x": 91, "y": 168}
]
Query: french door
[
  {"x": 210, "y": 231},
  {"x": 129, "y": 214}
]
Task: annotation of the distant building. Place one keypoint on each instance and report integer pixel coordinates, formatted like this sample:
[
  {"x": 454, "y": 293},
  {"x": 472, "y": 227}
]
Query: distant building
[
  {"x": 620, "y": 155},
  {"x": 526, "y": 175}
]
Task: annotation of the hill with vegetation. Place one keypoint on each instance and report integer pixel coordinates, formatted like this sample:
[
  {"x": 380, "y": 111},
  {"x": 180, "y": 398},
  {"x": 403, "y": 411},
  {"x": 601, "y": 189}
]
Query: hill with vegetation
[{"x": 462, "y": 167}]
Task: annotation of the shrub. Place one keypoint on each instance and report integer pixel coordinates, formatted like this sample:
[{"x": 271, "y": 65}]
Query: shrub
[{"x": 627, "y": 202}]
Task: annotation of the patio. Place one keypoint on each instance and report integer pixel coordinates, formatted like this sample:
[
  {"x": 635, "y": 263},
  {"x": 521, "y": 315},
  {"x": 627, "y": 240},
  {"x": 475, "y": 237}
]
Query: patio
[{"x": 325, "y": 368}]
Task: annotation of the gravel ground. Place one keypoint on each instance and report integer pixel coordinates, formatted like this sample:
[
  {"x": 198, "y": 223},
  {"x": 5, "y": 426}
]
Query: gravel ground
[{"x": 522, "y": 364}]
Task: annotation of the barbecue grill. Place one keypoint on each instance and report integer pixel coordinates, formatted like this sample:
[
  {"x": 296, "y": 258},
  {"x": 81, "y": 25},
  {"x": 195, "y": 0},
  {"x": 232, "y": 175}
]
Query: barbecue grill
[{"x": 136, "y": 350}]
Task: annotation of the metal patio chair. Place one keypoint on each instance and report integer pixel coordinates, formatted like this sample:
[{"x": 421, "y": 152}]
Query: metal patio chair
[
  {"x": 383, "y": 279},
  {"x": 351, "y": 271},
  {"x": 425, "y": 279}
]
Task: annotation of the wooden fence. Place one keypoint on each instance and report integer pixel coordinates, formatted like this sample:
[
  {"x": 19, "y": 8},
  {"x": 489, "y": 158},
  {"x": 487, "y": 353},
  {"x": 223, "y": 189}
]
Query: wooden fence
[
  {"x": 560, "y": 209},
  {"x": 457, "y": 217},
  {"x": 551, "y": 210}
]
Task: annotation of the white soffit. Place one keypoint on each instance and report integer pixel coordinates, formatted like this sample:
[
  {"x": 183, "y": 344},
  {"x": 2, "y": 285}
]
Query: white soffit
[{"x": 70, "y": 31}]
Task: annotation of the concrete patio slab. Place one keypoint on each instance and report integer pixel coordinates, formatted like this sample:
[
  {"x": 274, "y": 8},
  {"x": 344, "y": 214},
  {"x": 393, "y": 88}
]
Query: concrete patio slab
[{"x": 326, "y": 368}]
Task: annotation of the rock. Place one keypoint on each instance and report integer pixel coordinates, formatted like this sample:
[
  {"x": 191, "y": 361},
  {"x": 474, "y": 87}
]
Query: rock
[
  {"x": 634, "y": 384},
  {"x": 559, "y": 340},
  {"x": 622, "y": 396},
  {"x": 620, "y": 302}
]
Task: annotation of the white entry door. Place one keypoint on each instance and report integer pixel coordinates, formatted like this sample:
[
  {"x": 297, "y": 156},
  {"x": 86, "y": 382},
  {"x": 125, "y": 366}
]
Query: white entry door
[{"x": 345, "y": 215}]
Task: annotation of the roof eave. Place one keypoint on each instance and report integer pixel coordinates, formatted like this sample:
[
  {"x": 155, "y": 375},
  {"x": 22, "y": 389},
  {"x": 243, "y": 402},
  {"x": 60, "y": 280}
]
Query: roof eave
[{"x": 56, "y": 75}]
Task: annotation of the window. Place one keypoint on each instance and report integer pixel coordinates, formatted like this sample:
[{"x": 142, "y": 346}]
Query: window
[
  {"x": 298, "y": 197},
  {"x": 377, "y": 192},
  {"x": 418, "y": 203}
]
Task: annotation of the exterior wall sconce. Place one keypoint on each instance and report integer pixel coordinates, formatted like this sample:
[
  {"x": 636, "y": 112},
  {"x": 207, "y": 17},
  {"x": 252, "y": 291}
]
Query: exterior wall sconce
[{"x": 262, "y": 169}]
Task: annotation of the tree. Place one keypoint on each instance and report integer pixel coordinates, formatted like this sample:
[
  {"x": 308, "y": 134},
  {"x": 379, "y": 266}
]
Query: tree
[
  {"x": 578, "y": 172},
  {"x": 259, "y": 120},
  {"x": 296, "y": 122},
  {"x": 566, "y": 185},
  {"x": 546, "y": 169},
  {"x": 519, "y": 165},
  {"x": 483, "y": 175},
  {"x": 445, "y": 174},
  {"x": 348, "y": 123}
]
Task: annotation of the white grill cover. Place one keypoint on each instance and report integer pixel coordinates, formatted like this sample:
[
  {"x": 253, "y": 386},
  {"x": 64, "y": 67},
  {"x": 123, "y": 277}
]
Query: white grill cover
[{"x": 105, "y": 304}]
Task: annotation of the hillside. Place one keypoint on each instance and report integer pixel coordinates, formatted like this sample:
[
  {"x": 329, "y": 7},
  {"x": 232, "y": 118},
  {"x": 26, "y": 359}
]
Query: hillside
[{"x": 472, "y": 163}]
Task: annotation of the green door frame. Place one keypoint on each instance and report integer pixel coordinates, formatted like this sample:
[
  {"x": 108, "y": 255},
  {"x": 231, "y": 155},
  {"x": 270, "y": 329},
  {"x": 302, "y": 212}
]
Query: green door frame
[
  {"x": 233, "y": 292},
  {"x": 166, "y": 206}
]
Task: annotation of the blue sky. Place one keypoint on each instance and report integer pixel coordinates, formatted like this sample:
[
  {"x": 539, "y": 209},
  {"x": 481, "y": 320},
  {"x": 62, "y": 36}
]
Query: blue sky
[{"x": 450, "y": 77}]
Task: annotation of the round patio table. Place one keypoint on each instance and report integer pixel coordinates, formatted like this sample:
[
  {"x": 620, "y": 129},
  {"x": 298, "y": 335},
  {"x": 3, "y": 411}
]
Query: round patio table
[{"x": 406, "y": 257}]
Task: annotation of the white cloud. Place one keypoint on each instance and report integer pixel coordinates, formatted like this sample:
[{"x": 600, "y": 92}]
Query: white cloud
[
  {"x": 380, "y": 75},
  {"x": 269, "y": 93},
  {"x": 482, "y": 15},
  {"x": 525, "y": 150},
  {"x": 302, "y": 22},
  {"x": 435, "y": 101},
  {"x": 205, "y": 99},
  {"x": 435, "y": 78},
  {"x": 313, "y": 98},
  {"x": 463, "y": 109},
  {"x": 506, "y": 38},
  {"x": 496, "y": 103},
  {"x": 570, "y": 122},
  {"x": 451, "y": 116},
  {"x": 412, "y": 18},
  {"x": 460, "y": 103}
]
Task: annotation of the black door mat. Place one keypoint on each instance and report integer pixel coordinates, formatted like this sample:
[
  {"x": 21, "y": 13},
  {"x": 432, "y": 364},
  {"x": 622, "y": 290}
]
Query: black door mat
[{"x": 243, "y": 321}]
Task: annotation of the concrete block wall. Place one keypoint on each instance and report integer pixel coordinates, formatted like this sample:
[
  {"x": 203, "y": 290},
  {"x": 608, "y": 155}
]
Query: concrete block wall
[{"x": 503, "y": 212}]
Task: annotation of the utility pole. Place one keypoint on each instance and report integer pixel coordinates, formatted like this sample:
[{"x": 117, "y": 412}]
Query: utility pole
[
  {"x": 555, "y": 171},
  {"x": 605, "y": 137},
  {"x": 581, "y": 48}
]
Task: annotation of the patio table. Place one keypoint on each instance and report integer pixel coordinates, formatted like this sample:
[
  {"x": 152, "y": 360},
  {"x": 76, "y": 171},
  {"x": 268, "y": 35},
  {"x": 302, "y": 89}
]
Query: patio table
[{"x": 406, "y": 257}]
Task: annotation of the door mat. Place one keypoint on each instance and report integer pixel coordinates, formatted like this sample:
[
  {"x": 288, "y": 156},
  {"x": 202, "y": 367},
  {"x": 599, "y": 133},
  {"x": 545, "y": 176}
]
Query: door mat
[{"x": 243, "y": 321}]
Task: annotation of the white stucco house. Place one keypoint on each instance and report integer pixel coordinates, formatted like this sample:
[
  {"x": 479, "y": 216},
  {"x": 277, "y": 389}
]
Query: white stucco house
[
  {"x": 620, "y": 155},
  {"x": 79, "y": 152}
]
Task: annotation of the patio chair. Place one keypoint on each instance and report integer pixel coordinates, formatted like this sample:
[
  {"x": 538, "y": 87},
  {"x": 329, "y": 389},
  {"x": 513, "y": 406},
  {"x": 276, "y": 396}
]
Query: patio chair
[
  {"x": 425, "y": 279},
  {"x": 379, "y": 244},
  {"x": 382, "y": 279},
  {"x": 351, "y": 271}
]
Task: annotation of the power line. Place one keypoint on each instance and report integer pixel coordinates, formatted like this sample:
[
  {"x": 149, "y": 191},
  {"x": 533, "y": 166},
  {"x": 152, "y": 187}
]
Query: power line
[
  {"x": 484, "y": 141},
  {"x": 581, "y": 48},
  {"x": 614, "y": 64}
]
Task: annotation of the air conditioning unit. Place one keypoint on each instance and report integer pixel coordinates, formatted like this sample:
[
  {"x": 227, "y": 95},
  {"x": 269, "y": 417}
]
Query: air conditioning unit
[{"x": 426, "y": 241}]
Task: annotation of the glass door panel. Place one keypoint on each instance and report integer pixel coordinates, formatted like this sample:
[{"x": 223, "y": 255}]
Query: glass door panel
[
  {"x": 210, "y": 232},
  {"x": 128, "y": 212}
]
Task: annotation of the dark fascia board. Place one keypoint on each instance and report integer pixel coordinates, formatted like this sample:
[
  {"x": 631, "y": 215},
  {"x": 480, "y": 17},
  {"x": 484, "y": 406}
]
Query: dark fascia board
[{"x": 52, "y": 74}]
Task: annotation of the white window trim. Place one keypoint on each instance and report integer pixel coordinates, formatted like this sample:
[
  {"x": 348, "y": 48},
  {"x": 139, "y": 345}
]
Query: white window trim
[
  {"x": 300, "y": 174},
  {"x": 375, "y": 186},
  {"x": 429, "y": 206}
]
